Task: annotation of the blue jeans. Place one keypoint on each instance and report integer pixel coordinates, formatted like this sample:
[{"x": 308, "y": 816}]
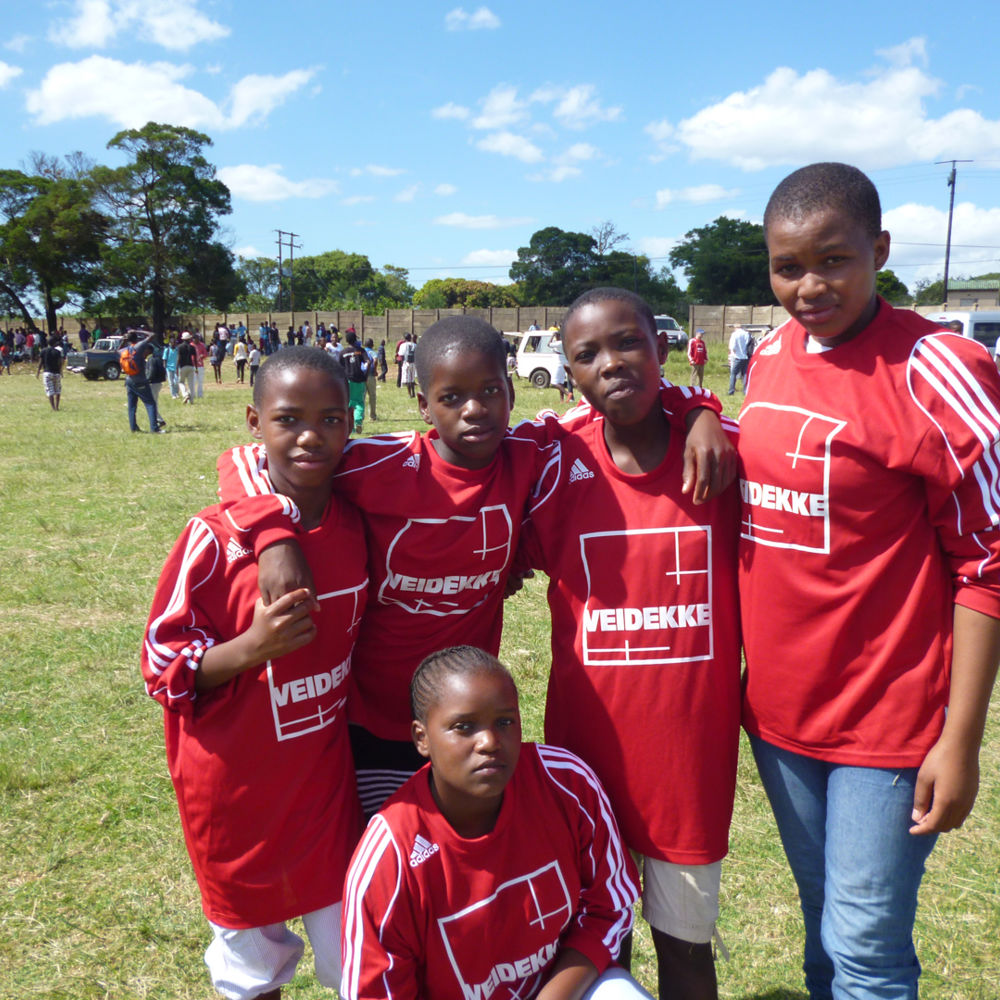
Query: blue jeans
[
  {"x": 738, "y": 369},
  {"x": 136, "y": 390},
  {"x": 858, "y": 870}
]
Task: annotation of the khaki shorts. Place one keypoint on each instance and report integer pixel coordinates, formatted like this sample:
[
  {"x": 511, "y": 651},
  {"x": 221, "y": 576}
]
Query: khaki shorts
[
  {"x": 246, "y": 963},
  {"x": 681, "y": 900}
]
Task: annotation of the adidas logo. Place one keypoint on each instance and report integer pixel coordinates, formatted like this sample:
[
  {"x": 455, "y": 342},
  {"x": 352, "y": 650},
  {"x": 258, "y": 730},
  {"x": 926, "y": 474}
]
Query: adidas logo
[
  {"x": 579, "y": 471},
  {"x": 422, "y": 849},
  {"x": 236, "y": 551},
  {"x": 413, "y": 462}
]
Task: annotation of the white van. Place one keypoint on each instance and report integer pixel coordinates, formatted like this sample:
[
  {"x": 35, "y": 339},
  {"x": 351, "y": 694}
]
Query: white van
[
  {"x": 982, "y": 325},
  {"x": 535, "y": 360}
]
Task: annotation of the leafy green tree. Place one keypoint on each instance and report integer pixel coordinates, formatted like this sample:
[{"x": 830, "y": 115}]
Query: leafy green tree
[
  {"x": 50, "y": 241},
  {"x": 339, "y": 280},
  {"x": 555, "y": 266},
  {"x": 448, "y": 293},
  {"x": 558, "y": 266},
  {"x": 725, "y": 261},
  {"x": 928, "y": 293},
  {"x": 892, "y": 289},
  {"x": 259, "y": 275},
  {"x": 166, "y": 203}
]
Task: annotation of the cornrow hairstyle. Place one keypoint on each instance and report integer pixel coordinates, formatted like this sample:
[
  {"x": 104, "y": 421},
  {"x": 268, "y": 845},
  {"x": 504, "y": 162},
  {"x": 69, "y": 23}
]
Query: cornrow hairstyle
[
  {"x": 595, "y": 295},
  {"x": 455, "y": 661},
  {"x": 295, "y": 359},
  {"x": 822, "y": 186},
  {"x": 463, "y": 334}
]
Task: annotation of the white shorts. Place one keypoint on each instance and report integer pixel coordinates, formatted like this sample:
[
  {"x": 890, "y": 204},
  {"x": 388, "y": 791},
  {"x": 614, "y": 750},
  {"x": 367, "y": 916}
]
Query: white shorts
[
  {"x": 681, "y": 900},
  {"x": 246, "y": 963}
]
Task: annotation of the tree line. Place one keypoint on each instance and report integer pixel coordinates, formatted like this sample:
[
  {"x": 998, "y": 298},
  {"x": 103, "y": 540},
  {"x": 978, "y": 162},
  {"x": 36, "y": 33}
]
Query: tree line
[{"x": 143, "y": 239}]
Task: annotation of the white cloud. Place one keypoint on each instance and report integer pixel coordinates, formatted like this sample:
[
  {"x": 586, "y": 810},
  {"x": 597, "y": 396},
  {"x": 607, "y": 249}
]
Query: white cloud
[
  {"x": 580, "y": 151},
  {"x": 490, "y": 258},
  {"x": 8, "y": 73},
  {"x": 698, "y": 195},
  {"x": 408, "y": 193},
  {"x": 248, "y": 252},
  {"x": 358, "y": 199},
  {"x": 444, "y": 190},
  {"x": 254, "y": 183},
  {"x": 509, "y": 144},
  {"x": 560, "y": 172},
  {"x": 578, "y": 108},
  {"x": 254, "y": 97},
  {"x": 173, "y": 24},
  {"x": 481, "y": 18},
  {"x": 500, "y": 107},
  {"x": 791, "y": 119},
  {"x": 451, "y": 110},
  {"x": 565, "y": 166},
  {"x": 18, "y": 43},
  {"x": 462, "y": 221},
  {"x": 663, "y": 135},
  {"x": 919, "y": 233},
  {"x": 914, "y": 50},
  {"x": 131, "y": 94},
  {"x": 374, "y": 170}
]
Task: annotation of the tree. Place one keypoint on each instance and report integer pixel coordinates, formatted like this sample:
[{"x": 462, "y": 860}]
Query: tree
[
  {"x": 892, "y": 289},
  {"x": 50, "y": 241},
  {"x": 339, "y": 280},
  {"x": 259, "y": 276},
  {"x": 166, "y": 202},
  {"x": 447, "y": 293},
  {"x": 724, "y": 262},
  {"x": 555, "y": 266},
  {"x": 606, "y": 237}
]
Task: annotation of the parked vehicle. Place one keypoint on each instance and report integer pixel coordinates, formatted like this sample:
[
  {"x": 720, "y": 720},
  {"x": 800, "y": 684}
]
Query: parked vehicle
[
  {"x": 982, "y": 325},
  {"x": 99, "y": 361},
  {"x": 677, "y": 339},
  {"x": 535, "y": 360}
]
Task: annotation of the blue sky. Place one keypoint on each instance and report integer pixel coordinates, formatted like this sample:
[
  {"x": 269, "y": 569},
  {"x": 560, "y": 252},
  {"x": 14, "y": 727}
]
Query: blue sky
[{"x": 439, "y": 137}]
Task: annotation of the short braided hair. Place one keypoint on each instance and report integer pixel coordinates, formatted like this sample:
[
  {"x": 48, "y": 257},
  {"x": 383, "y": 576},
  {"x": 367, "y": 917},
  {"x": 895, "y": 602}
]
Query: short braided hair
[{"x": 455, "y": 661}]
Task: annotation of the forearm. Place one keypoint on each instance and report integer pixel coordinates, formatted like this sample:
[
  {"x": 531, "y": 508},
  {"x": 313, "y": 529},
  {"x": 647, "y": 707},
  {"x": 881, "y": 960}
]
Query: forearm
[
  {"x": 572, "y": 975},
  {"x": 225, "y": 661},
  {"x": 975, "y": 654},
  {"x": 948, "y": 779}
]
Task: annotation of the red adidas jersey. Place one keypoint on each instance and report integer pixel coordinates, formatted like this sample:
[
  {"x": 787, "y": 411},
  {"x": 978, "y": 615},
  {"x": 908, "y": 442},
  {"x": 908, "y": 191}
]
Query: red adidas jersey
[
  {"x": 645, "y": 679},
  {"x": 440, "y": 541},
  {"x": 697, "y": 351},
  {"x": 261, "y": 765},
  {"x": 429, "y": 914},
  {"x": 871, "y": 500}
]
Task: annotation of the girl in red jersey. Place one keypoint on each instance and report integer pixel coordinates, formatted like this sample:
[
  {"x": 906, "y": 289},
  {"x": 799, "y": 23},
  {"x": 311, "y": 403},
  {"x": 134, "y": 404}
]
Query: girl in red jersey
[
  {"x": 869, "y": 580},
  {"x": 496, "y": 872}
]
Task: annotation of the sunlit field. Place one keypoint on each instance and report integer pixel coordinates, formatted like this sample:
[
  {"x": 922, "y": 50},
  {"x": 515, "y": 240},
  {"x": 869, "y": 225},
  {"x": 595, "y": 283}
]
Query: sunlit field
[{"x": 98, "y": 899}]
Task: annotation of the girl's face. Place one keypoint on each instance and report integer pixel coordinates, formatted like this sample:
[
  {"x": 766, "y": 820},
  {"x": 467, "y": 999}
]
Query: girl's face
[
  {"x": 472, "y": 736},
  {"x": 823, "y": 269}
]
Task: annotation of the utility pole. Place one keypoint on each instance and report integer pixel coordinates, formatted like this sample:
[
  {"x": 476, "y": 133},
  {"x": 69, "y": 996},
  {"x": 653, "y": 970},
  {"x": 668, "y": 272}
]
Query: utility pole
[
  {"x": 951, "y": 211},
  {"x": 292, "y": 247}
]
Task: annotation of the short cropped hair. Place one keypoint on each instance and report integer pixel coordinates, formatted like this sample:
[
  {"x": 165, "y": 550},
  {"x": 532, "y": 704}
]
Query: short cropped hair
[
  {"x": 595, "y": 295},
  {"x": 822, "y": 186},
  {"x": 295, "y": 359},
  {"x": 456, "y": 661},
  {"x": 460, "y": 333}
]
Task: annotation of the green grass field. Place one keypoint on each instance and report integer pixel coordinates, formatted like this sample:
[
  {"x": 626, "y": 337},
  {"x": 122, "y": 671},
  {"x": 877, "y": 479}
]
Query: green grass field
[{"x": 96, "y": 894}]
